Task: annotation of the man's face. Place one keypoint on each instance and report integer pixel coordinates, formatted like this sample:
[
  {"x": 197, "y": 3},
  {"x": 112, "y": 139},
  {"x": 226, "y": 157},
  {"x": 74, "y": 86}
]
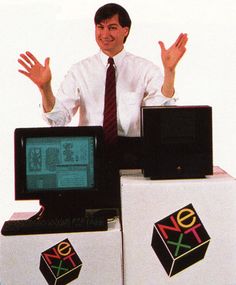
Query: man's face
[{"x": 110, "y": 35}]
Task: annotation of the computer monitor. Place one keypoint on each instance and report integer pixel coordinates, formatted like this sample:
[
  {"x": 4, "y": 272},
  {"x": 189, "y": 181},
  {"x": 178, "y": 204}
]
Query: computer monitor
[{"x": 63, "y": 168}]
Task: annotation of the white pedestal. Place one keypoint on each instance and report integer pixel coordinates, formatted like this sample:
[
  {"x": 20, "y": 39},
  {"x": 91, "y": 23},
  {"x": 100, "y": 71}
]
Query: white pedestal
[
  {"x": 100, "y": 253},
  {"x": 145, "y": 202}
]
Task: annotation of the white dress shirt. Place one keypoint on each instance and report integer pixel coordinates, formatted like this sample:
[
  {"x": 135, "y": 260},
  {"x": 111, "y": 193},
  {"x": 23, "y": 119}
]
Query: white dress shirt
[{"x": 138, "y": 83}]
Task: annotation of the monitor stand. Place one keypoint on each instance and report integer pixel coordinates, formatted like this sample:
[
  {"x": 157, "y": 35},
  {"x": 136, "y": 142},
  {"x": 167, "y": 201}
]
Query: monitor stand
[{"x": 56, "y": 208}]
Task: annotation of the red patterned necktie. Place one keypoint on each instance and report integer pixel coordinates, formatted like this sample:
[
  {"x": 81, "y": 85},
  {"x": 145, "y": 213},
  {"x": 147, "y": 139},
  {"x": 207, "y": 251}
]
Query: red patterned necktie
[{"x": 110, "y": 118}]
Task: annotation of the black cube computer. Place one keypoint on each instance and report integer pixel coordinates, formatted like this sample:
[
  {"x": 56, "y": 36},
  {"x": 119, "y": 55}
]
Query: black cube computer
[{"x": 177, "y": 141}]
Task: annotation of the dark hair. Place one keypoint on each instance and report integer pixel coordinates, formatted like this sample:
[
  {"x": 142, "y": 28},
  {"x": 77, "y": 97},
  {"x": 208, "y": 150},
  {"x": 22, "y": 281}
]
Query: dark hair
[{"x": 109, "y": 10}]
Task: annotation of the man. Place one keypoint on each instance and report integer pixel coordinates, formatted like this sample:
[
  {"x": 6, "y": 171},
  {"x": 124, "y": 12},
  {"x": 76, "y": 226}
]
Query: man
[{"x": 138, "y": 81}]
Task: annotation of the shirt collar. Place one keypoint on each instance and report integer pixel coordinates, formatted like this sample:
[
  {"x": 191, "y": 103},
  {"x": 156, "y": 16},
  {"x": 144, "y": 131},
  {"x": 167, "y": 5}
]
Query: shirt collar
[{"x": 117, "y": 58}]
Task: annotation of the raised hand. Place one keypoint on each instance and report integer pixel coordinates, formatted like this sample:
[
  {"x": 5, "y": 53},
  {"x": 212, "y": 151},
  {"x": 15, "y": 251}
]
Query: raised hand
[
  {"x": 33, "y": 69},
  {"x": 171, "y": 56}
]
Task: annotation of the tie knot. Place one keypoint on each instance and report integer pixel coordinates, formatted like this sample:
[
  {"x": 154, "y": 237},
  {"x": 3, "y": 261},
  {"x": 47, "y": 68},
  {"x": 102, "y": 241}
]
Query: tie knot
[{"x": 110, "y": 60}]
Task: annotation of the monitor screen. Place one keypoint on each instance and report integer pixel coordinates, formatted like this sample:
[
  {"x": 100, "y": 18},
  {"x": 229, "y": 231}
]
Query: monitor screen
[
  {"x": 64, "y": 168},
  {"x": 60, "y": 163}
]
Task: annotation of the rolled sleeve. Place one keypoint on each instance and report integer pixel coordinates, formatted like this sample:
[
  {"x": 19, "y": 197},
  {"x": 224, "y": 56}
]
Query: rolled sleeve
[
  {"x": 58, "y": 116},
  {"x": 67, "y": 101}
]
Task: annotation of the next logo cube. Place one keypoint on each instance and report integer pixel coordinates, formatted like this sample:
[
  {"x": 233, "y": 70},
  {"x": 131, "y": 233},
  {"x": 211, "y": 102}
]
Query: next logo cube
[
  {"x": 180, "y": 240},
  {"x": 60, "y": 264}
]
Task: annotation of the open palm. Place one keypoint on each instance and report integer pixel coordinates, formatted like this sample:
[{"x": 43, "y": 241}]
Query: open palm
[
  {"x": 171, "y": 56},
  {"x": 33, "y": 69}
]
